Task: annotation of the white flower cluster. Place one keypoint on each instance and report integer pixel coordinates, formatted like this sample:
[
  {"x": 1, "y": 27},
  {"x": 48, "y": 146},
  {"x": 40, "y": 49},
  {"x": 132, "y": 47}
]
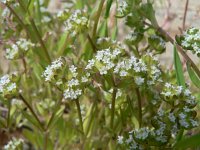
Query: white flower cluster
[
  {"x": 158, "y": 38},
  {"x": 18, "y": 49},
  {"x": 109, "y": 61},
  {"x": 52, "y": 69},
  {"x": 142, "y": 133},
  {"x": 134, "y": 37},
  {"x": 181, "y": 115},
  {"x": 74, "y": 85},
  {"x": 130, "y": 142},
  {"x": 76, "y": 23},
  {"x": 14, "y": 144},
  {"x": 171, "y": 90},
  {"x": 5, "y": 1},
  {"x": 122, "y": 8},
  {"x": 17, "y": 102},
  {"x": 190, "y": 40},
  {"x": 186, "y": 120},
  {"x": 145, "y": 134},
  {"x": 104, "y": 60},
  {"x": 63, "y": 13},
  {"x": 7, "y": 86},
  {"x": 5, "y": 12}
]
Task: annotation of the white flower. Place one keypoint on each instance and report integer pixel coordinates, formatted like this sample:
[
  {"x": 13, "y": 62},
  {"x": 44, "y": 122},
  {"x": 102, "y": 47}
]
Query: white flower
[
  {"x": 84, "y": 79},
  {"x": 90, "y": 64},
  {"x": 122, "y": 7},
  {"x": 186, "y": 109},
  {"x": 139, "y": 81},
  {"x": 73, "y": 70},
  {"x": 72, "y": 94},
  {"x": 194, "y": 123},
  {"x": 119, "y": 93},
  {"x": 13, "y": 144},
  {"x": 12, "y": 53},
  {"x": 179, "y": 90},
  {"x": 171, "y": 117},
  {"x": 168, "y": 93},
  {"x": 4, "y": 80},
  {"x": 182, "y": 115},
  {"x": 142, "y": 133},
  {"x": 123, "y": 73},
  {"x": 11, "y": 87},
  {"x": 76, "y": 22},
  {"x": 168, "y": 85},
  {"x": 120, "y": 139},
  {"x": 160, "y": 113},
  {"x": 6, "y": 85},
  {"x": 187, "y": 92},
  {"x": 50, "y": 70},
  {"x": 73, "y": 82},
  {"x": 184, "y": 123},
  {"x": 103, "y": 70}
]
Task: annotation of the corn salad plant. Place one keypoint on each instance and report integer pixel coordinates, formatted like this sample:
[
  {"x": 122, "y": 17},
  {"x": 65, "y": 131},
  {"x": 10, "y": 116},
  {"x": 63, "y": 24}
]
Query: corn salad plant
[{"x": 74, "y": 82}]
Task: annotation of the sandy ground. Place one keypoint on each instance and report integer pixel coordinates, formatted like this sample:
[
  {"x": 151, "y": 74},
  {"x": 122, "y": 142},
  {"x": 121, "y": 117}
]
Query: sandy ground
[{"x": 170, "y": 15}]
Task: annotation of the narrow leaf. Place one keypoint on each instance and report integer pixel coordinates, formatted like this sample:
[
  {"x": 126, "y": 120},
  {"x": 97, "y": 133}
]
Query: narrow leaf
[
  {"x": 191, "y": 142},
  {"x": 194, "y": 78},
  {"x": 108, "y": 6},
  {"x": 178, "y": 68}
]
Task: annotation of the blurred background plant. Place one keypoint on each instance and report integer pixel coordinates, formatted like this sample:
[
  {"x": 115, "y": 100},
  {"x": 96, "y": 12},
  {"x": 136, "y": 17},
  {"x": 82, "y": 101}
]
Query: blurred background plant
[{"x": 104, "y": 74}]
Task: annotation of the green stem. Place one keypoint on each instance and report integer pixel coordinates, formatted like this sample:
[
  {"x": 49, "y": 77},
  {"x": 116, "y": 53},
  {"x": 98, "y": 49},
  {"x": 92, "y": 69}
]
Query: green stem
[
  {"x": 79, "y": 114},
  {"x": 185, "y": 14},
  {"x": 139, "y": 107},
  {"x": 98, "y": 13},
  {"x": 31, "y": 110},
  {"x": 8, "y": 115},
  {"x": 19, "y": 19},
  {"x": 93, "y": 112},
  {"x": 40, "y": 39},
  {"x": 53, "y": 115},
  {"x": 24, "y": 64},
  {"x": 180, "y": 134},
  {"x": 113, "y": 107},
  {"x": 91, "y": 43},
  {"x": 45, "y": 140},
  {"x": 22, "y": 6}
]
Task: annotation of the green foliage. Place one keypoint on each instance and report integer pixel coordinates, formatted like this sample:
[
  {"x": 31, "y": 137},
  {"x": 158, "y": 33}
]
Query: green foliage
[
  {"x": 178, "y": 68},
  {"x": 194, "y": 78}
]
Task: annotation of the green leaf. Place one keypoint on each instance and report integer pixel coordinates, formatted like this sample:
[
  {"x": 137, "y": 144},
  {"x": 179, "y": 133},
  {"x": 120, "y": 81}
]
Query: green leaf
[
  {"x": 194, "y": 78},
  {"x": 191, "y": 142},
  {"x": 32, "y": 120},
  {"x": 57, "y": 116},
  {"x": 147, "y": 10},
  {"x": 178, "y": 68},
  {"x": 108, "y": 6},
  {"x": 62, "y": 43}
]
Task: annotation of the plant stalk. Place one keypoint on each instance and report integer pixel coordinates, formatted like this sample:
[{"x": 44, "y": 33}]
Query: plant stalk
[
  {"x": 40, "y": 39},
  {"x": 31, "y": 110},
  {"x": 98, "y": 14},
  {"x": 185, "y": 14},
  {"x": 19, "y": 19},
  {"x": 139, "y": 107},
  {"x": 113, "y": 108},
  {"x": 79, "y": 115}
]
